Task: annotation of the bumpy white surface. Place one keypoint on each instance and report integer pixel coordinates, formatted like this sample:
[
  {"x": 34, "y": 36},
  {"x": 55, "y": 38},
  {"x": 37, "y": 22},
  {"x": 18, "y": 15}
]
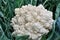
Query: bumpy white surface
[{"x": 32, "y": 20}]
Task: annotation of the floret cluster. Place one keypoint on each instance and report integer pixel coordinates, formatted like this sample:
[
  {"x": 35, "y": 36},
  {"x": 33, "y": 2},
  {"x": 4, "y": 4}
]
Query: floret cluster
[{"x": 32, "y": 20}]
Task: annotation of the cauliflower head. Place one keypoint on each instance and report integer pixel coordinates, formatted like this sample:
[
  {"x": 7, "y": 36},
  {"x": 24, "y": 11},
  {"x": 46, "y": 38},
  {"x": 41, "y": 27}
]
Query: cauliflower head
[{"x": 32, "y": 20}]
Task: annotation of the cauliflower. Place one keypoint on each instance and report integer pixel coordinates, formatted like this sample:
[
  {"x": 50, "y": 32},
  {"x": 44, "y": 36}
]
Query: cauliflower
[{"x": 32, "y": 20}]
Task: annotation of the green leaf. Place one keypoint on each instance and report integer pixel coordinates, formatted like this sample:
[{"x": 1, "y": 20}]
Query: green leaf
[
  {"x": 57, "y": 14},
  {"x": 5, "y": 26},
  {"x": 23, "y": 37},
  {"x": 43, "y": 37},
  {"x": 2, "y": 35}
]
